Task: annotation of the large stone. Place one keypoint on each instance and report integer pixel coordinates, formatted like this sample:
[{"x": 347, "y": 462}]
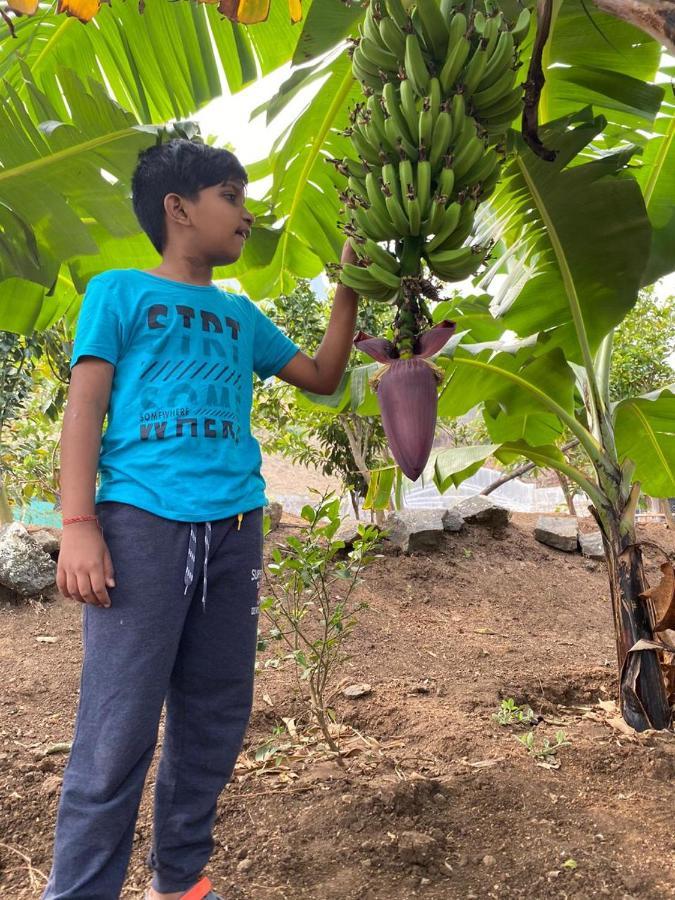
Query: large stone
[
  {"x": 47, "y": 539},
  {"x": 24, "y": 567},
  {"x": 591, "y": 545},
  {"x": 414, "y": 530},
  {"x": 417, "y": 848},
  {"x": 274, "y": 511},
  {"x": 554, "y": 531},
  {"x": 452, "y": 521},
  {"x": 482, "y": 511},
  {"x": 348, "y": 532}
]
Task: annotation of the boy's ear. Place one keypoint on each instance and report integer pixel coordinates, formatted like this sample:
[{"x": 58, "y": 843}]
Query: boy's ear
[{"x": 176, "y": 209}]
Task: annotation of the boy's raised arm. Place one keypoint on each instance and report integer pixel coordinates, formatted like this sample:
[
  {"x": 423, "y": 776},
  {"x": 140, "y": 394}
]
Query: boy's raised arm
[
  {"x": 85, "y": 569},
  {"x": 321, "y": 373}
]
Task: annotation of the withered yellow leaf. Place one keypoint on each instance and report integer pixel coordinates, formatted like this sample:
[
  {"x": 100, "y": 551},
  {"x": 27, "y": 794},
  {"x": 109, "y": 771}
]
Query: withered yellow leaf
[
  {"x": 662, "y": 598},
  {"x": 84, "y": 10},
  {"x": 24, "y": 7},
  {"x": 251, "y": 12}
]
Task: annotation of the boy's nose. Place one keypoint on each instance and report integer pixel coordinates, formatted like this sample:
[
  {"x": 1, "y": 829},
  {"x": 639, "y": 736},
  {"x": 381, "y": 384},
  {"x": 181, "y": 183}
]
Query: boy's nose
[{"x": 249, "y": 217}]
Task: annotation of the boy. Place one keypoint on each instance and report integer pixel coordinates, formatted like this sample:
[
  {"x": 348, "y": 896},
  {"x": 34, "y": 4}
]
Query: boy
[{"x": 168, "y": 561}]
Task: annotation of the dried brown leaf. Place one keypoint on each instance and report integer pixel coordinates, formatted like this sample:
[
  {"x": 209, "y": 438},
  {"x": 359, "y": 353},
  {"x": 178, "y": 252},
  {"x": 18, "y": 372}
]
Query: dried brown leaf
[{"x": 662, "y": 599}]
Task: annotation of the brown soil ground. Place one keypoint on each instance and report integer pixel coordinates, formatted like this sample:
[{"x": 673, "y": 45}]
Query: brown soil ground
[{"x": 436, "y": 799}]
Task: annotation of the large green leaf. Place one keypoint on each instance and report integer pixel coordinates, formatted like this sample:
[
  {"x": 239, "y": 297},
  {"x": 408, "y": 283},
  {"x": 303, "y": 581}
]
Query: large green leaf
[
  {"x": 303, "y": 198},
  {"x": 645, "y": 433},
  {"x": 51, "y": 183},
  {"x": 579, "y": 238},
  {"x": 160, "y": 65},
  {"x": 456, "y": 464},
  {"x": 326, "y": 23},
  {"x": 657, "y": 178},
  {"x": 594, "y": 58}
]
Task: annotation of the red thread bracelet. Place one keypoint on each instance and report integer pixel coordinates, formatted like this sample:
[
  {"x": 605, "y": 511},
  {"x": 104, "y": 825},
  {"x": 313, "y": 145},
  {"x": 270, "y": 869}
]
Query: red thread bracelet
[{"x": 73, "y": 520}]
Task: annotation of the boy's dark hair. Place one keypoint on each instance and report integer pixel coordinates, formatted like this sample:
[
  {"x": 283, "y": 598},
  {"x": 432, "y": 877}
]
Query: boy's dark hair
[{"x": 177, "y": 167}]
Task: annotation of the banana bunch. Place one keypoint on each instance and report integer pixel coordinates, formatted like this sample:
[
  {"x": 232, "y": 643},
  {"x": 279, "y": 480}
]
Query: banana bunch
[{"x": 440, "y": 86}]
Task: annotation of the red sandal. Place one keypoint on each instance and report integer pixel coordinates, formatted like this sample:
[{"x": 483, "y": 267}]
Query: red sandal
[{"x": 201, "y": 891}]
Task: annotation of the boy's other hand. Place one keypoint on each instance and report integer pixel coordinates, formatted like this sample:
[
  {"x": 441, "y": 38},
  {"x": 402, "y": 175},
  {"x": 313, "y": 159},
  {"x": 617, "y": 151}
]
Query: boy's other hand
[
  {"x": 348, "y": 254},
  {"x": 85, "y": 569}
]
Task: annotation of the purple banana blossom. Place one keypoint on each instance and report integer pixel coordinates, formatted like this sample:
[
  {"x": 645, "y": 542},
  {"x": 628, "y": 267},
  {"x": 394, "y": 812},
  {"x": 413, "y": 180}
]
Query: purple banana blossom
[{"x": 407, "y": 394}]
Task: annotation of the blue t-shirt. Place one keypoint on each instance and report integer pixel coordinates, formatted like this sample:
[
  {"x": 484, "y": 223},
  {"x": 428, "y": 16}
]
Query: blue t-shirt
[{"x": 178, "y": 441}]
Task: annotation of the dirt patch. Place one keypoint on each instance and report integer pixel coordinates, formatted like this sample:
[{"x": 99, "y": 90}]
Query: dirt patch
[{"x": 437, "y": 800}]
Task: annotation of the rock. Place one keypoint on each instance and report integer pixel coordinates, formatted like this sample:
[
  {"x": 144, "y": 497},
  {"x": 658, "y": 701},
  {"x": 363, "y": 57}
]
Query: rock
[
  {"x": 452, "y": 521},
  {"x": 244, "y": 865},
  {"x": 51, "y": 785},
  {"x": 554, "y": 531},
  {"x": 489, "y": 860},
  {"x": 415, "y": 529},
  {"x": 348, "y": 532},
  {"x": 48, "y": 539},
  {"x": 24, "y": 567},
  {"x": 482, "y": 511},
  {"x": 274, "y": 511},
  {"x": 357, "y": 690},
  {"x": 416, "y": 848},
  {"x": 591, "y": 545}
]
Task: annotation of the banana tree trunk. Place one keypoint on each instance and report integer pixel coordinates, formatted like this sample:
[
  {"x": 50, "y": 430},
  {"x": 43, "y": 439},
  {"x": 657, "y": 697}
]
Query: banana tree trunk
[{"x": 643, "y": 698}]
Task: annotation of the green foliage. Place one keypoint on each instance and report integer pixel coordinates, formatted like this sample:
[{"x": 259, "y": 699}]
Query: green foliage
[
  {"x": 311, "y": 606},
  {"x": 33, "y": 386},
  {"x": 510, "y": 713},
  {"x": 643, "y": 344},
  {"x": 544, "y": 751}
]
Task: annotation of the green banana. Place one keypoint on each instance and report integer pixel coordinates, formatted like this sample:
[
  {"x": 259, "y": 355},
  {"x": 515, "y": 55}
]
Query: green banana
[
  {"x": 363, "y": 148},
  {"x": 434, "y": 29},
  {"x": 374, "y": 107},
  {"x": 392, "y": 37},
  {"x": 480, "y": 21},
  {"x": 378, "y": 57},
  {"x": 440, "y": 139},
  {"x": 357, "y": 186},
  {"x": 496, "y": 92},
  {"x": 469, "y": 154},
  {"x": 456, "y": 29},
  {"x": 405, "y": 176},
  {"x": 375, "y": 197},
  {"x": 396, "y": 212},
  {"x": 364, "y": 76},
  {"x": 501, "y": 59},
  {"x": 398, "y": 140},
  {"x": 413, "y": 212},
  {"x": 361, "y": 59},
  {"x": 458, "y": 112},
  {"x": 455, "y": 265},
  {"x": 498, "y": 114},
  {"x": 522, "y": 26},
  {"x": 448, "y": 224},
  {"x": 371, "y": 30},
  {"x": 391, "y": 182},
  {"x": 398, "y": 13},
  {"x": 435, "y": 97},
  {"x": 454, "y": 62},
  {"x": 415, "y": 66},
  {"x": 409, "y": 109},
  {"x": 392, "y": 103},
  {"x": 488, "y": 184},
  {"x": 381, "y": 256},
  {"x": 491, "y": 33},
  {"x": 482, "y": 169},
  {"x": 423, "y": 186},
  {"x": 437, "y": 215},
  {"x": 370, "y": 224},
  {"x": 384, "y": 276},
  {"x": 354, "y": 166},
  {"x": 475, "y": 69},
  {"x": 359, "y": 279},
  {"x": 463, "y": 229},
  {"x": 426, "y": 124},
  {"x": 446, "y": 181}
]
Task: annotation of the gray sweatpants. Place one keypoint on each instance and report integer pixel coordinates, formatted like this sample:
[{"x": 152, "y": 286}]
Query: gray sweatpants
[{"x": 161, "y": 639}]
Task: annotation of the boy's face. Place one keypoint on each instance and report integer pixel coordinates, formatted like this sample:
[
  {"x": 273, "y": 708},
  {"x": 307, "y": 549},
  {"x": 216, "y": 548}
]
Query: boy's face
[{"x": 220, "y": 223}]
